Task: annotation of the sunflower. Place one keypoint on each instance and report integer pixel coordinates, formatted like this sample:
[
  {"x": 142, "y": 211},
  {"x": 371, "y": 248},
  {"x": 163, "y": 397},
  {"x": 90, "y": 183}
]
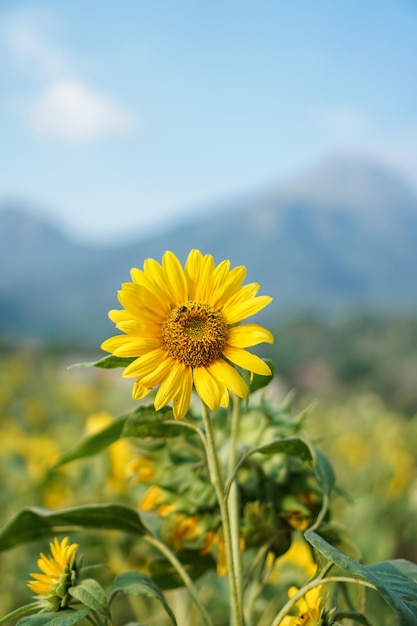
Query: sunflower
[
  {"x": 59, "y": 574},
  {"x": 181, "y": 330},
  {"x": 310, "y": 608}
]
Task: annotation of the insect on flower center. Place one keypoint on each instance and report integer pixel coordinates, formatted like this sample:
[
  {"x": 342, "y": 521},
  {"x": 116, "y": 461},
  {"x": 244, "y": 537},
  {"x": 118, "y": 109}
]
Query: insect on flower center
[{"x": 195, "y": 333}]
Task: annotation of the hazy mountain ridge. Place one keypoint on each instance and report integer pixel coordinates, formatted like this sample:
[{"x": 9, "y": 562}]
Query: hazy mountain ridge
[{"x": 344, "y": 238}]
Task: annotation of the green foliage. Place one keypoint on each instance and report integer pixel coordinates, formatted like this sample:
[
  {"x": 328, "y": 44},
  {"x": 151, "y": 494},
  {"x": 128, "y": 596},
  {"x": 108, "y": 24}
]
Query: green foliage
[
  {"x": 138, "y": 584},
  {"x": 31, "y": 524},
  {"x": 63, "y": 618},
  {"x": 395, "y": 581},
  {"x": 91, "y": 594},
  {"x": 285, "y": 484}
]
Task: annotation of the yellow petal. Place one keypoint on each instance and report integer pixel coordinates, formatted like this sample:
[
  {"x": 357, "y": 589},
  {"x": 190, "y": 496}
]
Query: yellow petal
[
  {"x": 175, "y": 276},
  {"x": 199, "y": 269},
  {"x": 248, "y": 335},
  {"x": 145, "y": 364},
  {"x": 126, "y": 346},
  {"x": 183, "y": 397},
  {"x": 243, "y": 294},
  {"x": 216, "y": 280},
  {"x": 241, "y": 310},
  {"x": 247, "y": 360},
  {"x": 139, "y": 391},
  {"x": 119, "y": 315},
  {"x": 192, "y": 271},
  {"x": 169, "y": 386},
  {"x": 207, "y": 387},
  {"x": 227, "y": 375},
  {"x": 140, "y": 304},
  {"x": 145, "y": 279},
  {"x": 230, "y": 287},
  {"x": 157, "y": 277},
  {"x": 159, "y": 373}
]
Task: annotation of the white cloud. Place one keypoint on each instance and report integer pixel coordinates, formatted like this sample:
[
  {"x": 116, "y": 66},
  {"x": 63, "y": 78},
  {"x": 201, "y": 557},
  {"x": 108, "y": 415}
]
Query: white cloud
[
  {"x": 71, "y": 111},
  {"x": 62, "y": 105}
]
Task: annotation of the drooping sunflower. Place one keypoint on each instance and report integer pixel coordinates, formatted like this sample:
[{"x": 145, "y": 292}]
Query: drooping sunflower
[
  {"x": 59, "y": 572},
  {"x": 182, "y": 328}
]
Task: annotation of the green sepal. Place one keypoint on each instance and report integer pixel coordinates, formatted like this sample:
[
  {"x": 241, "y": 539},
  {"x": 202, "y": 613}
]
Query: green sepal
[
  {"x": 91, "y": 594},
  {"x": 259, "y": 381},
  {"x": 139, "y": 584},
  {"x": 393, "y": 580},
  {"x": 32, "y": 523},
  {"x": 62, "y": 618}
]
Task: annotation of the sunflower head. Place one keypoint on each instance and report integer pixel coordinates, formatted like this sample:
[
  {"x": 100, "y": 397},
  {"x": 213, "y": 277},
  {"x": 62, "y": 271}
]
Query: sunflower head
[
  {"x": 182, "y": 330},
  {"x": 59, "y": 573}
]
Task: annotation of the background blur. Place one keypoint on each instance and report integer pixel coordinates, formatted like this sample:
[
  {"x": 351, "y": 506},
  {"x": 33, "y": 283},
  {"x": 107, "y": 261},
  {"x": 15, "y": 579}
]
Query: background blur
[{"x": 280, "y": 135}]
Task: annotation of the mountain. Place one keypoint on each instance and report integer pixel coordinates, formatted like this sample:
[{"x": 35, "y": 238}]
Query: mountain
[{"x": 337, "y": 239}]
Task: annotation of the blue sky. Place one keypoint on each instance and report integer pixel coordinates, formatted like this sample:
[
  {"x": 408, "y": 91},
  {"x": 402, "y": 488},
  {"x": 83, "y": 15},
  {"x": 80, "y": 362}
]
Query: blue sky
[{"x": 120, "y": 118}]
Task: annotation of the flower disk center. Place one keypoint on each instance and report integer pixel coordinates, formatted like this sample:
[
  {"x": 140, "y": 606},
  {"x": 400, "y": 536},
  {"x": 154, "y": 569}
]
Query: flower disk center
[{"x": 195, "y": 334}]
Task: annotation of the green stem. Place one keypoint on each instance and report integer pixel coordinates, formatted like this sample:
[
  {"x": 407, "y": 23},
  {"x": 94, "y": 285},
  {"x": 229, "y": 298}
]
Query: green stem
[
  {"x": 316, "y": 583},
  {"x": 189, "y": 426},
  {"x": 233, "y": 501},
  {"x": 216, "y": 479},
  {"x": 182, "y": 572}
]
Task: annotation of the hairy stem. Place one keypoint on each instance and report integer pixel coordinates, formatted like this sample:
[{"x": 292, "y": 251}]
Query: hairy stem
[
  {"x": 216, "y": 479},
  {"x": 184, "y": 576},
  {"x": 233, "y": 501}
]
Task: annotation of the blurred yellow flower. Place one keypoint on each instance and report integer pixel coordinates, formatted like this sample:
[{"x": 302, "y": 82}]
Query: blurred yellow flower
[
  {"x": 185, "y": 528},
  {"x": 152, "y": 497},
  {"x": 299, "y": 554},
  {"x": 181, "y": 327},
  {"x": 310, "y": 608},
  {"x": 142, "y": 468},
  {"x": 59, "y": 574}
]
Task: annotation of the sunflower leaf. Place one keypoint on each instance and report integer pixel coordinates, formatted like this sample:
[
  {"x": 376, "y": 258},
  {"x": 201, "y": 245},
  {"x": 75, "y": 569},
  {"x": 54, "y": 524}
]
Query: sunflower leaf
[
  {"x": 108, "y": 362},
  {"x": 139, "y": 584},
  {"x": 63, "y": 618},
  {"x": 91, "y": 594},
  {"x": 259, "y": 381},
  {"x": 27, "y": 608},
  {"x": 146, "y": 422},
  {"x": 395, "y": 580},
  {"x": 92, "y": 444},
  {"x": 289, "y": 445},
  {"x": 32, "y": 523}
]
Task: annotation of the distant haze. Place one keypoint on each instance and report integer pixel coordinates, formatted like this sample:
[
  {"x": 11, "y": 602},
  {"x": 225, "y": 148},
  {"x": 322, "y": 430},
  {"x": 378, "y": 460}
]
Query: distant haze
[{"x": 341, "y": 239}]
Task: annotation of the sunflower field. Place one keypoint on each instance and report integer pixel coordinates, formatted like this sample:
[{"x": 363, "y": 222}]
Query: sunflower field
[{"x": 277, "y": 508}]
